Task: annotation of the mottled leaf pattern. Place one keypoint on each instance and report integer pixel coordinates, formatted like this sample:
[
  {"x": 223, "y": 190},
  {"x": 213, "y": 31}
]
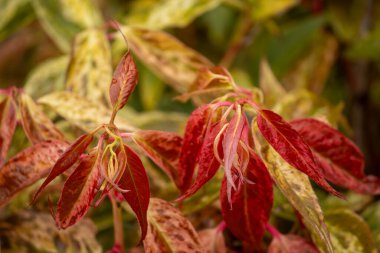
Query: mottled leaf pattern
[
  {"x": 163, "y": 148},
  {"x": 170, "y": 231},
  {"x": 27, "y": 167},
  {"x": 37, "y": 126},
  {"x": 135, "y": 180},
  {"x": 290, "y": 145},
  {"x": 124, "y": 81},
  {"x": 248, "y": 213}
]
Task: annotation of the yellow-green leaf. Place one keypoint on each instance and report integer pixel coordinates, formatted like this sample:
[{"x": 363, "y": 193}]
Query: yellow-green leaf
[
  {"x": 64, "y": 18},
  {"x": 297, "y": 189},
  {"x": 349, "y": 232},
  {"x": 169, "y": 230},
  {"x": 150, "y": 89},
  {"x": 47, "y": 77},
  {"x": 167, "y": 57},
  {"x": 90, "y": 71},
  {"x": 271, "y": 87},
  {"x": 13, "y": 13},
  {"x": 262, "y": 9}
]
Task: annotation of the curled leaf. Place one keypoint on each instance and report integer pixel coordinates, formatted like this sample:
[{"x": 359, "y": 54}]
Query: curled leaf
[
  {"x": 290, "y": 145},
  {"x": 27, "y": 167},
  {"x": 124, "y": 81},
  {"x": 163, "y": 148},
  {"x": 8, "y": 120},
  {"x": 170, "y": 231}
]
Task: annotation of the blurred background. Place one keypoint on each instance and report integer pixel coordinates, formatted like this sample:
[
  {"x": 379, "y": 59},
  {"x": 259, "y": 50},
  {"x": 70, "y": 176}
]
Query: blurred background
[{"x": 315, "y": 58}]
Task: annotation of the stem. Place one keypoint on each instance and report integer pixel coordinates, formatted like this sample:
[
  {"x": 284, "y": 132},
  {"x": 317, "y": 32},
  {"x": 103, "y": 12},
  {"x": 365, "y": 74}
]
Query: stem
[
  {"x": 273, "y": 231},
  {"x": 112, "y": 119},
  {"x": 118, "y": 224}
]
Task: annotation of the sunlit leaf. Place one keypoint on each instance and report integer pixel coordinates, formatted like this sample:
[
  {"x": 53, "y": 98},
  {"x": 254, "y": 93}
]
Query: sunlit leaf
[
  {"x": 8, "y": 121},
  {"x": 166, "y": 56},
  {"x": 192, "y": 143},
  {"x": 135, "y": 180},
  {"x": 27, "y": 167},
  {"x": 78, "y": 192},
  {"x": 271, "y": 87},
  {"x": 63, "y": 19},
  {"x": 248, "y": 213},
  {"x": 170, "y": 231},
  {"x": 37, "y": 126},
  {"x": 66, "y": 160},
  {"x": 297, "y": 189},
  {"x": 290, "y": 145},
  {"x": 30, "y": 231},
  {"x": 124, "y": 81},
  {"x": 340, "y": 160},
  {"x": 89, "y": 71},
  {"x": 349, "y": 232},
  {"x": 50, "y": 72},
  {"x": 262, "y": 9},
  {"x": 163, "y": 148},
  {"x": 291, "y": 244}
]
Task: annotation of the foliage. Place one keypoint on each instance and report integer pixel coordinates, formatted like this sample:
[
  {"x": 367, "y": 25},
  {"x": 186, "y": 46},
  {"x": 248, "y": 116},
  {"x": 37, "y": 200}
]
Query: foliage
[{"x": 208, "y": 163}]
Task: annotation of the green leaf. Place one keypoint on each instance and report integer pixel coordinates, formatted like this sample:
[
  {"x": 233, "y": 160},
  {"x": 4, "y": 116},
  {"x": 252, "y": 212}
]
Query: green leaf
[
  {"x": 349, "y": 232},
  {"x": 47, "y": 77},
  {"x": 167, "y": 57},
  {"x": 63, "y": 19},
  {"x": 90, "y": 72},
  {"x": 271, "y": 87},
  {"x": 150, "y": 89},
  {"x": 372, "y": 216},
  {"x": 263, "y": 9}
]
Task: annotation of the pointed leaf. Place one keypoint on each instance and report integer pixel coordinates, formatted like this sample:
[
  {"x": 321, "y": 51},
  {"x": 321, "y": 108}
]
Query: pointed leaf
[
  {"x": 124, "y": 81},
  {"x": 136, "y": 181},
  {"x": 341, "y": 161},
  {"x": 271, "y": 87},
  {"x": 290, "y": 145},
  {"x": 167, "y": 57},
  {"x": 252, "y": 202},
  {"x": 163, "y": 148},
  {"x": 208, "y": 164},
  {"x": 27, "y": 167},
  {"x": 291, "y": 244},
  {"x": 8, "y": 120},
  {"x": 78, "y": 192},
  {"x": 170, "y": 231},
  {"x": 67, "y": 159},
  {"x": 349, "y": 232},
  {"x": 192, "y": 143},
  {"x": 37, "y": 126},
  {"x": 297, "y": 189},
  {"x": 90, "y": 69}
]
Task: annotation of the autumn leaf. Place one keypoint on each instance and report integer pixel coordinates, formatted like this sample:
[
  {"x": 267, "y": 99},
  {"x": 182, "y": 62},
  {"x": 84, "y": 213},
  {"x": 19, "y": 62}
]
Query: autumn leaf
[
  {"x": 135, "y": 180},
  {"x": 124, "y": 81},
  {"x": 340, "y": 160},
  {"x": 67, "y": 159},
  {"x": 170, "y": 231},
  {"x": 291, "y": 244},
  {"x": 163, "y": 148},
  {"x": 212, "y": 240},
  {"x": 8, "y": 122},
  {"x": 248, "y": 213},
  {"x": 37, "y": 126},
  {"x": 27, "y": 167},
  {"x": 78, "y": 191},
  {"x": 208, "y": 164},
  {"x": 192, "y": 144},
  {"x": 290, "y": 145}
]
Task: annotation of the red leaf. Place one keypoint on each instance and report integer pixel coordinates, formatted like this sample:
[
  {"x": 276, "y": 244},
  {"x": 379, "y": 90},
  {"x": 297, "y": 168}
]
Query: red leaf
[
  {"x": 67, "y": 159},
  {"x": 163, "y": 148},
  {"x": 290, "y": 145},
  {"x": 234, "y": 133},
  {"x": 208, "y": 164},
  {"x": 37, "y": 126},
  {"x": 124, "y": 81},
  {"x": 136, "y": 181},
  {"x": 251, "y": 203},
  {"x": 78, "y": 192},
  {"x": 27, "y": 167},
  {"x": 291, "y": 244},
  {"x": 341, "y": 161},
  {"x": 8, "y": 122},
  {"x": 192, "y": 143}
]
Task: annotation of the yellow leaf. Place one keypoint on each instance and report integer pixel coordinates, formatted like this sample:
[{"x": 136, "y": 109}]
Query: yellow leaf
[
  {"x": 271, "y": 87},
  {"x": 262, "y": 9}
]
